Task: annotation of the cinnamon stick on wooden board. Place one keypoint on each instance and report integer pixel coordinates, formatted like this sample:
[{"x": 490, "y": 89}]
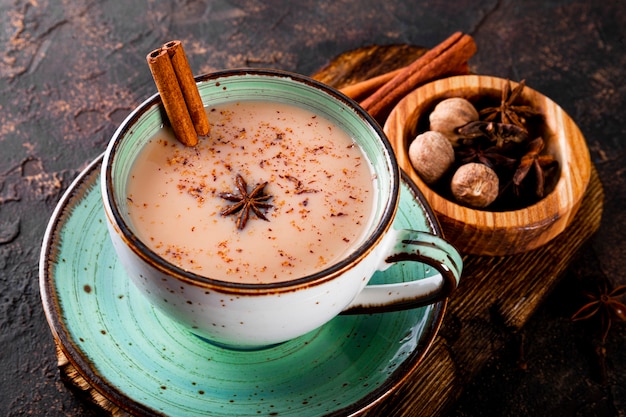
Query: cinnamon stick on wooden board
[
  {"x": 362, "y": 89},
  {"x": 179, "y": 93},
  {"x": 448, "y": 58}
]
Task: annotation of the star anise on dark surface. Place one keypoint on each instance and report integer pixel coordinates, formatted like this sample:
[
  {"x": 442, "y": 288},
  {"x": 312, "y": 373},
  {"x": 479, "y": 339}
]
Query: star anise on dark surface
[
  {"x": 605, "y": 303},
  {"x": 508, "y": 112},
  {"x": 538, "y": 162},
  {"x": 245, "y": 202}
]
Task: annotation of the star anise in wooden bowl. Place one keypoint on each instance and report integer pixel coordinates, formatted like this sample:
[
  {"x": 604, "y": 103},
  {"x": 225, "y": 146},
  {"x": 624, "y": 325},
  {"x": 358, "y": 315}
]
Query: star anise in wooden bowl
[{"x": 543, "y": 166}]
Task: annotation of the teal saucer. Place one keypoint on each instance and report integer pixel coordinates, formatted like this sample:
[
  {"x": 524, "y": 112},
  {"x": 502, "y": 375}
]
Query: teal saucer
[{"x": 146, "y": 364}]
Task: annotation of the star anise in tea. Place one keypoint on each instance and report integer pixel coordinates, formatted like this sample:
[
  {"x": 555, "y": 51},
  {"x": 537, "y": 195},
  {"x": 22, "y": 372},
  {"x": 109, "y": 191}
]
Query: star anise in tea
[
  {"x": 245, "y": 202},
  {"x": 508, "y": 112},
  {"x": 537, "y": 162}
]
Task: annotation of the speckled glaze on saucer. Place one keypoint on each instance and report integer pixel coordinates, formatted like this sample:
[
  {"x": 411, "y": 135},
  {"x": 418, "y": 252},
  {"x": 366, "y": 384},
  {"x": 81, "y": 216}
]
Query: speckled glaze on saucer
[{"x": 146, "y": 364}]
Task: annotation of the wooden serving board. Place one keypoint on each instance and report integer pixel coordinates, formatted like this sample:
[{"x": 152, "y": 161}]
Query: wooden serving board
[{"x": 496, "y": 297}]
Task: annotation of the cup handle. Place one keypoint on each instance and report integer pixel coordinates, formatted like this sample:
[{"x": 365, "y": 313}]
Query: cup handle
[{"x": 411, "y": 245}]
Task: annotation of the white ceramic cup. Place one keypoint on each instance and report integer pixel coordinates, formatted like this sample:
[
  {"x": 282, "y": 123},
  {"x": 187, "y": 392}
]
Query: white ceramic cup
[{"x": 255, "y": 315}]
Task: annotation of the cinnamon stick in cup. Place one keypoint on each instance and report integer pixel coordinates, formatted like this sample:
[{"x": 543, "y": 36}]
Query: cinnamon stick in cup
[
  {"x": 443, "y": 60},
  {"x": 188, "y": 86},
  {"x": 179, "y": 93},
  {"x": 172, "y": 96}
]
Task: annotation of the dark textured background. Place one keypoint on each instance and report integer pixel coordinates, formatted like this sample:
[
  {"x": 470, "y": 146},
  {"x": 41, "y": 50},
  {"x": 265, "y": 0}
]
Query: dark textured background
[{"x": 70, "y": 71}]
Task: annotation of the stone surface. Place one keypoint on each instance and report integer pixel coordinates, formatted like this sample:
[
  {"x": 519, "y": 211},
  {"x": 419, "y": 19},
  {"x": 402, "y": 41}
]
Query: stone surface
[{"x": 71, "y": 71}]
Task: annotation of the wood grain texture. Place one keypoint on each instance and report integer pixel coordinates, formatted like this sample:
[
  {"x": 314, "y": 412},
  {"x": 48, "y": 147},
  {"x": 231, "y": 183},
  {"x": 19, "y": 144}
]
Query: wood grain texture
[
  {"x": 483, "y": 232},
  {"x": 365, "y": 63}
]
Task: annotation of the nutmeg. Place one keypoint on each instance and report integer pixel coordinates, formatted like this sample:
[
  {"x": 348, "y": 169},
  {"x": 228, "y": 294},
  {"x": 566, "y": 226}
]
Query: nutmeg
[
  {"x": 451, "y": 114},
  {"x": 431, "y": 155},
  {"x": 475, "y": 185}
]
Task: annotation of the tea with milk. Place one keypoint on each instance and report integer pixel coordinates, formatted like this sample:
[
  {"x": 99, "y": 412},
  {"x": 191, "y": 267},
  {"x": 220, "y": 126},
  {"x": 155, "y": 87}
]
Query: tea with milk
[{"x": 318, "y": 199}]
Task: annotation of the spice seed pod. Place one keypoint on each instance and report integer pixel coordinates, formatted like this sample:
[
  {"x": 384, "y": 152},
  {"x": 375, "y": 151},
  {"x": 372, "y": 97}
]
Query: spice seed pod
[
  {"x": 475, "y": 185},
  {"x": 431, "y": 155}
]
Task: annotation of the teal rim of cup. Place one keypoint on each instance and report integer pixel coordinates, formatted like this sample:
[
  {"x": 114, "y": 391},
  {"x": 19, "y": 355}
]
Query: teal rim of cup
[{"x": 256, "y": 84}]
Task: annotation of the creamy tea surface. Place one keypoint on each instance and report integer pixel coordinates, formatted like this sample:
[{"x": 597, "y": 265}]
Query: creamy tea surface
[{"x": 320, "y": 183}]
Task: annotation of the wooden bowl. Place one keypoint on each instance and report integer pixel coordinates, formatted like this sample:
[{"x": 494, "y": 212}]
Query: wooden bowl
[{"x": 481, "y": 232}]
